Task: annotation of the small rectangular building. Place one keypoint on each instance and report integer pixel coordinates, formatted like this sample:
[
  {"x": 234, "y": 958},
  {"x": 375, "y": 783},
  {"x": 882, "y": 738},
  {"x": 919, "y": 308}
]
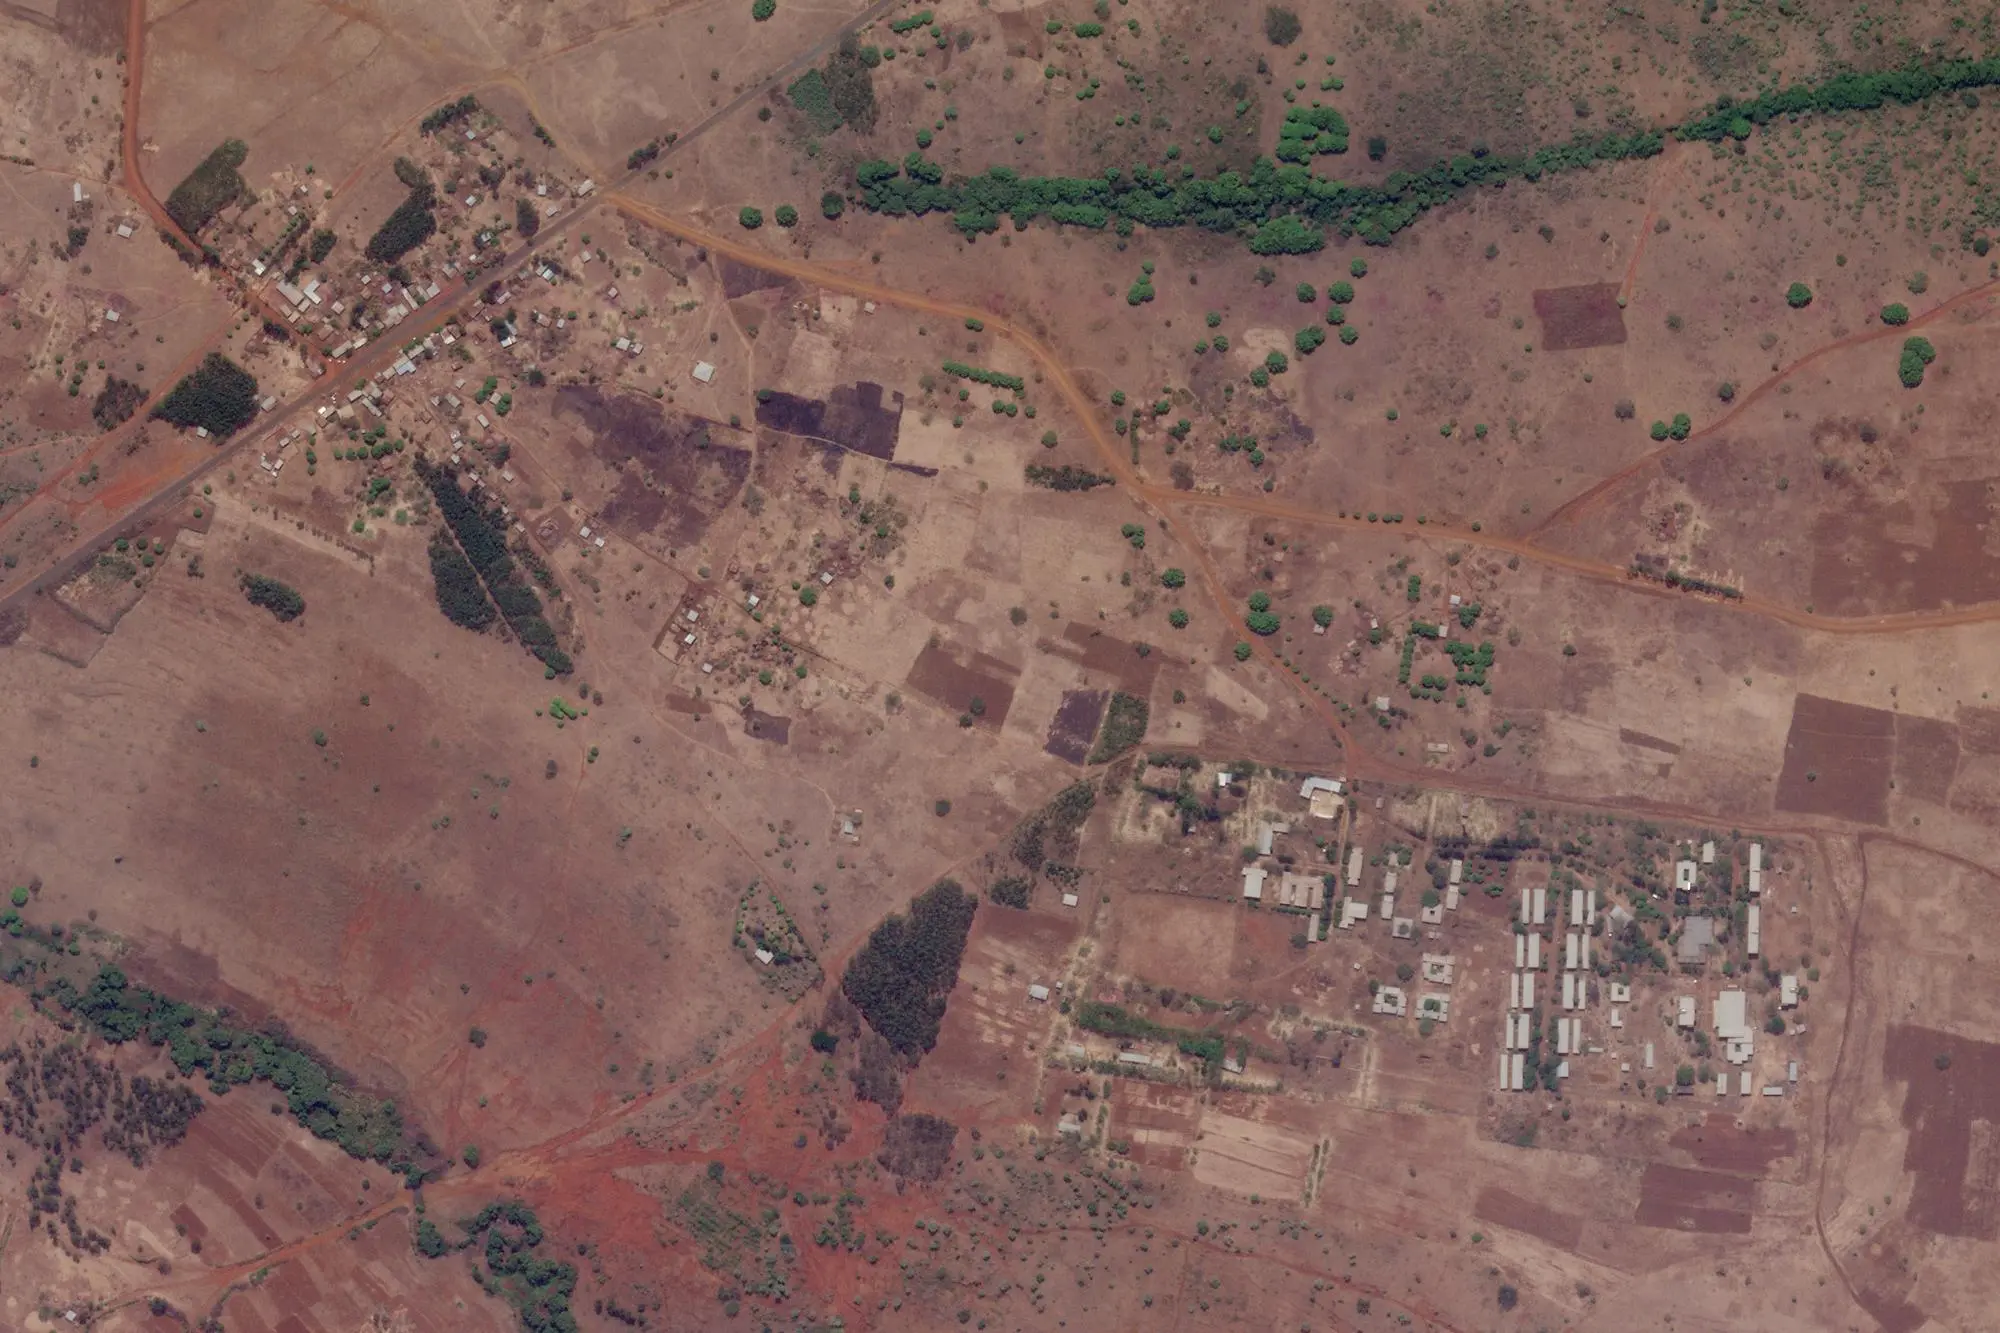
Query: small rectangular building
[
  {"x": 703, "y": 372},
  {"x": 1354, "y": 868},
  {"x": 1253, "y": 883},
  {"x": 1754, "y": 932},
  {"x": 1039, "y": 993},
  {"x": 1527, "y": 990}
]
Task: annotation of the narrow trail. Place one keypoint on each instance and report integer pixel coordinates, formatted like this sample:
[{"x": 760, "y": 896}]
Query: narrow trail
[{"x": 1666, "y": 174}]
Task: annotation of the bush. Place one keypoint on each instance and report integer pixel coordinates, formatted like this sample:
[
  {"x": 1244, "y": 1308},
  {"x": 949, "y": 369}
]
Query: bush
[
  {"x": 1895, "y": 313},
  {"x": 280, "y": 599},
  {"x": 1174, "y": 578},
  {"x": 1308, "y": 339},
  {"x": 900, "y": 978},
  {"x": 1658, "y": 430},
  {"x": 763, "y": 9},
  {"x": 787, "y": 216},
  {"x": 219, "y": 396},
  {"x": 1680, "y": 427},
  {"x": 116, "y": 402},
  {"x": 824, "y": 1042},
  {"x": 1340, "y": 293},
  {"x": 1178, "y": 618},
  {"x": 831, "y": 205},
  {"x": 211, "y": 187},
  {"x": 1917, "y": 354},
  {"x": 1011, "y": 891},
  {"x": 321, "y": 245},
  {"x": 1243, "y": 651},
  {"x": 1068, "y": 477},
  {"x": 1798, "y": 296},
  {"x": 1281, "y": 25},
  {"x": 750, "y": 218},
  {"x": 1307, "y": 293}
]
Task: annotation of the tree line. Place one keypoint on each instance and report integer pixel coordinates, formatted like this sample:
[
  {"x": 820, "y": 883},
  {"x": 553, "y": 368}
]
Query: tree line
[
  {"x": 482, "y": 537},
  {"x": 1281, "y": 207}
]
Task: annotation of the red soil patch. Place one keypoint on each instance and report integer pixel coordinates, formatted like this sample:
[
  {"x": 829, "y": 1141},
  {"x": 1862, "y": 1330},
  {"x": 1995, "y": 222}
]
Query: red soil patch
[
  {"x": 1689, "y": 1200},
  {"x": 1504, "y": 1209},
  {"x": 1926, "y": 758},
  {"x": 1578, "y": 317},
  {"x": 1837, "y": 759},
  {"x": 1954, "y": 1144},
  {"x": 1075, "y": 724},
  {"x": 1873, "y": 555},
  {"x": 1721, "y": 1144}
]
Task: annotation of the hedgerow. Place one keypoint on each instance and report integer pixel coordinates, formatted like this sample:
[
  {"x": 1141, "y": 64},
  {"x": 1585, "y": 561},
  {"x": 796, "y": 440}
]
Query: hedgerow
[{"x": 980, "y": 375}]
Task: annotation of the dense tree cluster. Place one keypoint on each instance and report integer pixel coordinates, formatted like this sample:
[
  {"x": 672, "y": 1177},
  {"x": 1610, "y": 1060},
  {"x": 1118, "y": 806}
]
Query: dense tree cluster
[
  {"x": 901, "y": 977},
  {"x": 1124, "y": 727},
  {"x": 212, "y": 186},
  {"x": 200, "y": 1039},
  {"x": 413, "y": 222},
  {"x": 1842, "y": 92},
  {"x": 482, "y": 535},
  {"x": 1917, "y": 354},
  {"x": 1068, "y": 477},
  {"x": 540, "y": 1289},
  {"x": 1280, "y": 208},
  {"x": 449, "y": 114},
  {"x": 280, "y": 599},
  {"x": 218, "y": 395}
]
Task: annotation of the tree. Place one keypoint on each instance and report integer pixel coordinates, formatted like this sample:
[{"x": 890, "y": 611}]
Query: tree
[
  {"x": 1340, "y": 293},
  {"x": 1243, "y": 651},
  {"x": 1358, "y": 267},
  {"x": 751, "y": 218},
  {"x": 1322, "y": 616},
  {"x": 1658, "y": 430},
  {"x": 1798, "y": 296},
  {"x": 1307, "y": 293},
  {"x": 831, "y": 205},
  {"x": 1680, "y": 426},
  {"x": 1917, "y": 354},
  {"x": 1349, "y": 335},
  {"x": 1276, "y": 362},
  {"x": 1260, "y": 600},
  {"x": 1174, "y": 578},
  {"x": 1177, "y": 618},
  {"x": 763, "y": 9},
  {"x": 280, "y": 599},
  {"x": 1281, "y": 25},
  {"x": 527, "y": 218},
  {"x": 787, "y": 216},
  {"x": 1378, "y": 148},
  {"x": 1308, "y": 339},
  {"x": 1895, "y": 313}
]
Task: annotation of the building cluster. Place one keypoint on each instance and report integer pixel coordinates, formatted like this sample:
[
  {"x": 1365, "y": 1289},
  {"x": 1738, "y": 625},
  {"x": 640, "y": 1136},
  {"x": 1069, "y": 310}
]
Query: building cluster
[{"x": 1304, "y": 894}]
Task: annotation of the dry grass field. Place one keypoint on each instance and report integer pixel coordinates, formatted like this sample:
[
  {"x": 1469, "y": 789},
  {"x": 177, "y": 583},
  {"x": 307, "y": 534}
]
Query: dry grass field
[{"x": 610, "y": 731}]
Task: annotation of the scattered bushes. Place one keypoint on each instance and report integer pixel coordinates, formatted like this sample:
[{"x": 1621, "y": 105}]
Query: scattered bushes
[
  {"x": 218, "y": 396},
  {"x": 280, "y": 599},
  {"x": 116, "y": 402},
  {"x": 901, "y": 977},
  {"x": 211, "y": 187}
]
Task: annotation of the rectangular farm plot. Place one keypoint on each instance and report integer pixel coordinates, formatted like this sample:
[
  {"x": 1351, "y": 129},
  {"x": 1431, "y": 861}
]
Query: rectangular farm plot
[
  {"x": 956, "y": 678},
  {"x": 1160, "y": 1122},
  {"x": 1578, "y": 317},
  {"x": 1074, "y": 725},
  {"x": 1837, "y": 760},
  {"x": 1682, "y": 1199},
  {"x": 1503, "y": 1208},
  {"x": 1249, "y": 1157},
  {"x": 1952, "y": 1113}
]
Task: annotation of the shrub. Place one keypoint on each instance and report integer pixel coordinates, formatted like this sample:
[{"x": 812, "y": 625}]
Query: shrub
[
  {"x": 1281, "y": 25},
  {"x": 750, "y": 218},
  {"x": 219, "y": 396},
  {"x": 1895, "y": 313},
  {"x": 1798, "y": 296},
  {"x": 1178, "y": 618},
  {"x": 824, "y": 1042},
  {"x": 1011, "y": 891},
  {"x": 1680, "y": 427},
  {"x": 1658, "y": 430},
  {"x": 1174, "y": 578},
  {"x": 321, "y": 245},
  {"x": 1340, "y": 293},
  {"x": 1124, "y": 727},
  {"x": 1307, "y": 293},
  {"x": 787, "y": 216},
  {"x": 1308, "y": 339},
  {"x": 1260, "y": 601},
  {"x": 831, "y": 205},
  {"x": 1322, "y": 616},
  {"x": 1917, "y": 354},
  {"x": 1349, "y": 335},
  {"x": 763, "y": 9},
  {"x": 1624, "y": 410},
  {"x": 1243, "y": 651},
  {"x": 280, "y": 599},
  {"x": 1358, "y": 267}
]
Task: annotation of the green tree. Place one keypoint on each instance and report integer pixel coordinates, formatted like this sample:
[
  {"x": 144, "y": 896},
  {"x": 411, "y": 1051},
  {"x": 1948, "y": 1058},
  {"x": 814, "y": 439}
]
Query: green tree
[
  {"x": 751, "y": 218},
  {"x": 1340, "y": 293},
  {"x": 1243, "y": 651},
  {"x": 1680, "y": 426},
  {"x": 1213, "y": 319},
  {"x": 763, "y": 9},
  {"x": 1895, "y": 313},
  {"x": 1177, "y": 618},
  {"x": 1322, "y": 616},
  {"x": 831, "y": 205},
  {"x": 1307, "y": 293},
  {"x": 1359, "y": 268},
  {"x": 1658, "y": 430},
  {"x": 1798, "y": 296},
  {"x": 1260, "y": 600},
  {"x": 787, "y": 216},
  {"x": 1174, "y": 578},
  {"x": 1917, "y": 354},
  {"x": 1276, "y": 363},
  {"x": 1349, "y": 335}
]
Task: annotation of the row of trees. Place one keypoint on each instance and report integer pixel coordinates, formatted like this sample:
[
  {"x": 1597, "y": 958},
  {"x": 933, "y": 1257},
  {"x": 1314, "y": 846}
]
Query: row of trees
[
  {"x": 200, "y": 1039},
  {"x": 1280, "y": 207},
  {"x": 482, "y": 536}
]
